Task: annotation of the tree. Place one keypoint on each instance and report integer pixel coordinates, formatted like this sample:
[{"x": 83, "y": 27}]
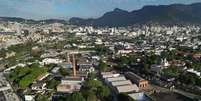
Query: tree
[
  {"x": 124, "y": 60},
  {"x": 198, "y": 82},
  {"x": 3, "y": 52},
  {"x": 51, "y": 84},
  {"x": 124, "y": 97},
  {"x": 92, "y": 84},
  {"x": 41, "y": 98},
  {"x": 76, "y": 96},
  {"x": 145, "y": 69},
  {"x": 93, "y": 89},
  {"x": 91, "y": 76},
  {"x": 171, "y": 71},
  {"x": 103, "y": 66},
  {"x": 101, "y": 50},
  {"x": 63, "y": 71},
  {"x": 90, "y": 95},
  {"x": 189, "y": 78},
  {"x": 103, "y": 92}
]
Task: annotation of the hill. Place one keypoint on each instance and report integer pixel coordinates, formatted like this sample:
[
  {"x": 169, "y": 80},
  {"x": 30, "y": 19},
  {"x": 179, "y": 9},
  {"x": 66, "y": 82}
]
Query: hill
[{"x": 162, "y": 14}]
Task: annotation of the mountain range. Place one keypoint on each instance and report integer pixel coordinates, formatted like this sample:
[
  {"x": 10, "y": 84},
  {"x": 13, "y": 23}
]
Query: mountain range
[
  {"x": 162, "y": 14},
  {"x": 179, "y": 14}
]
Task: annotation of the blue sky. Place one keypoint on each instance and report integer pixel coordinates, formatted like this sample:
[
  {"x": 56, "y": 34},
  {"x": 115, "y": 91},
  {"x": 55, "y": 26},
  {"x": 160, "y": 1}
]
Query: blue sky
[{"x": 43, "y": 9}]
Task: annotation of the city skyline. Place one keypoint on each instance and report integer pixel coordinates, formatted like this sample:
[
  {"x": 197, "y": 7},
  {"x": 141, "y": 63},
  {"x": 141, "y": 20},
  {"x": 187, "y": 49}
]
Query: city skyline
[{"x": 64, "y": 9}]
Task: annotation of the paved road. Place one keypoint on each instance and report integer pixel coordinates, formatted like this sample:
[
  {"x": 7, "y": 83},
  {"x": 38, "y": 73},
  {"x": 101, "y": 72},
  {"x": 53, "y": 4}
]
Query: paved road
[{"x": 187, "y": 94}]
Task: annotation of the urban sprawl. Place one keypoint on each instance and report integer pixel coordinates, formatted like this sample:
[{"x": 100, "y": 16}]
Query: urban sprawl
[{"x": 62, "y": 62}]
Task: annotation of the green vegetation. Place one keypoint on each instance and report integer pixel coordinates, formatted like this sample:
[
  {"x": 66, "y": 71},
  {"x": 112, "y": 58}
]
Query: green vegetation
[
  {"x": 101, "y": 50},
  {"x": 93, "y": 90},
  {"x": 124, "y": 97},
  {"x": 103, "y": 92},
  {"x": 52, "y": 84},
  {"x": 21, "y": 52},
  {"x": 89, "y": 84},
  {"x": 190, "y": 79},
  {"x": 124, "y": 61},
  {"x": 172, "y": 71},
  {"x": 103, "y": 66},
  {"x": 41, "y": 98},
  {"x": 91, "y": 76},
  {"x": 64, "y": 72},
  {"x": 24, "y": 76},
  {"x": 76, "y": 96},
  {"x": 196, "y": 65},
  {"x": 3, "y": 53}
]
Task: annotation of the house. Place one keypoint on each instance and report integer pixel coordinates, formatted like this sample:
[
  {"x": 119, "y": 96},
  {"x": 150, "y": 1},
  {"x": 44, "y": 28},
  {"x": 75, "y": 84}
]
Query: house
[
  {"x": 55, "y": 70},
  {"x": 29, "y": 98},
  {"x": 51, "y": 61},
  {"x": 38, "y": 86},
  {"x": 126, "y": 51},
  {"x": 86, "y": 68},
  {"x": 142, "y": 83}
]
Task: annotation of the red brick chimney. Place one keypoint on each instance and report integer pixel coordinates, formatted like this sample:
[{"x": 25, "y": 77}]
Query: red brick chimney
[{"x": 74, "y": 67}]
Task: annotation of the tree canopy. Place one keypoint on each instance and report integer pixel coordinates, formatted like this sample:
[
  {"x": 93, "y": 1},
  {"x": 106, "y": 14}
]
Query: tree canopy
[
  {"x": 76, "y": 96},
  {"x": 124, "y": 97}
]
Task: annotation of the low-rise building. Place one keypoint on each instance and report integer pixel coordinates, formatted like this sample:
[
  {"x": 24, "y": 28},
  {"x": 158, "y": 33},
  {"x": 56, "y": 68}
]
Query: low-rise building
[
  {"x": 127, "y": 88},
  {"x": 142, "y": 83},
  {"x": 38, "y": 86},
  {"x": 86, "y": 68},
  {"x": 118, "y": 83},
  {"x": 29, "y": 98},
  {"x": 70, "y": 85}
]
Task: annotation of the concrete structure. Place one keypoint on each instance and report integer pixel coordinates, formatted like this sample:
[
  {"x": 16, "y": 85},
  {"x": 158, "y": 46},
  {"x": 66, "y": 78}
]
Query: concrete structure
[
  {"x": 38, "y": 86},
  {"x": 112, "y": 79},
  {"x": 29, "y": 98},
  {"x": 109, "y": 74},
  {"x": 51, "y": 61},
  {"x": 73, "y": 83},
  {"x": 120, "y": 83},
  {"x": 67, "y": 88},
  {"x": 142, "y": 83},
  {"x": 127, "y": 88},
  {"x": 86, "y": 68},
  {"x": 6, "y": 91},
  {"x": 70, "y": 85}
]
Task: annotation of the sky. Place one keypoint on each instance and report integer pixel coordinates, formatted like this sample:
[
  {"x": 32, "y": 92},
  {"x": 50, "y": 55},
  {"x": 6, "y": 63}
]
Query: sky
[{"x": 63, "y": 9}]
